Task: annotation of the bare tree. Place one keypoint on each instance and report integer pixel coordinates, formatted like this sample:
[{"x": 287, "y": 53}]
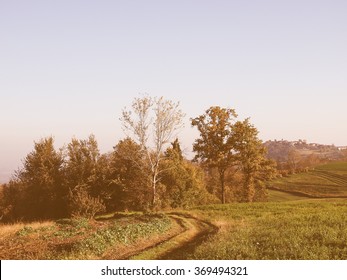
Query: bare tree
[{"x": 153, "y": 123}]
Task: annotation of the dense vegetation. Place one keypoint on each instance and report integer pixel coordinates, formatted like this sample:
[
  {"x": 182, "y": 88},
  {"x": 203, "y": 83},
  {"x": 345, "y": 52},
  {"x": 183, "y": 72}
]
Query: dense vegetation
[
  {"x": 79, "y": 182},
  {"x": 109, "y": 237},
  {"x": 145, "y": 172}
]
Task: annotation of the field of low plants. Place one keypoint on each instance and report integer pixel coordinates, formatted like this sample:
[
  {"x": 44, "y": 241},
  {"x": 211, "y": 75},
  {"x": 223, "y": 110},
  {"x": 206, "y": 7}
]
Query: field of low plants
[
  {"x": 306, "y": 229},
  {"x": 280, "y": 196},
  {"x": 290, "y": 226},
  {"x": 303, "y": 229},
  {"x": 324, "y": 181},
  {"x": 108, "y": 237}
]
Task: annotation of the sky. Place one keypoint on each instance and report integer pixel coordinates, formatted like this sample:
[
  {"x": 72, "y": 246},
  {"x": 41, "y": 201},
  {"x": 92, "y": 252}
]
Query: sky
[{"x": 68, "y": 68}]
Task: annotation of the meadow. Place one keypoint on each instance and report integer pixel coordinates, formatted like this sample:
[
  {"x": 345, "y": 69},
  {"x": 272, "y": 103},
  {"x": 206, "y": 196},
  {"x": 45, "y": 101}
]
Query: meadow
[
  {"x": 325, "y": 181},
  {"x": 292, "y": 225},
  {"x": 305, "y": 229}
]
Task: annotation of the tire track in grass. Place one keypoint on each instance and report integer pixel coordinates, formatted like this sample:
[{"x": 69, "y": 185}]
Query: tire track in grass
[
  {"x": 182, "y": 245},
  {"x": 128, "y": 251}
]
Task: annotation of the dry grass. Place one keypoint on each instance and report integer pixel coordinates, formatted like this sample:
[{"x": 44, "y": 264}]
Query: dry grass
[
  {"x": 77, "y": 238},
  {"x": 9, "y": 229}
]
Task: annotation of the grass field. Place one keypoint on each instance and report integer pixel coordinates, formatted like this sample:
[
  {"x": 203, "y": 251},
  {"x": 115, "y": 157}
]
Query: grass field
[
  {"x": 292, "y": 225},
  {"x": 306, "y": 229},
  {"x": 324, "y": 181},
  {"x": 280, "y": 196}
]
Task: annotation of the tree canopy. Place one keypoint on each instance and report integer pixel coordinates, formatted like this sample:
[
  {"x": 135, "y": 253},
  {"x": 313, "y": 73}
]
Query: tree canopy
[
  {"x": 227, "y": 144},
  {"x": 215, "y": 147},
  {"x": 147, "y": 170}
]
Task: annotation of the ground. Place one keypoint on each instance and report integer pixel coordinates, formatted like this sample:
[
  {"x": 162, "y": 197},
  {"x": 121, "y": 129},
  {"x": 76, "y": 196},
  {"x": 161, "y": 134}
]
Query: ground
[{"x": 293, "y": 225}]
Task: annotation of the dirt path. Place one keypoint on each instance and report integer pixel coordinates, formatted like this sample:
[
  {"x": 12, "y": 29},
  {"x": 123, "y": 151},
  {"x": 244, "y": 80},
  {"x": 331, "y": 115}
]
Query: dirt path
[{"x": 180, "y": 246}]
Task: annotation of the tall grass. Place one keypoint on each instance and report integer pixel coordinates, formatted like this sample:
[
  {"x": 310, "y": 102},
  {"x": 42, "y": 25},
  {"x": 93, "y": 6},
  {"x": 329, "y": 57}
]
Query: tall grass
[{"x": 9, "y": 229}]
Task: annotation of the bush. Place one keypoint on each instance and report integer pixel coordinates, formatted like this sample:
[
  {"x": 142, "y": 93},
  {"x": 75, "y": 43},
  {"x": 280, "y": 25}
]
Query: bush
[{"x": 83, "y": 205}]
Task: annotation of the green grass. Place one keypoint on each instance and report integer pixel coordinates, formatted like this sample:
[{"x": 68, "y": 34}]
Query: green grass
[
  {"x": 308, "y": 229},
  {"x": 279, "y": 196},
  {"x": 324, "y": 181},
  {"x": 334, "y": 166}
]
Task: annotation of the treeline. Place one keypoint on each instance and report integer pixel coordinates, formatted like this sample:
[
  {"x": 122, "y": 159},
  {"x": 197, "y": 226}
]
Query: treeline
[
  {"x": 79, "y": 181},
  {"x": 146, "y": 171}
]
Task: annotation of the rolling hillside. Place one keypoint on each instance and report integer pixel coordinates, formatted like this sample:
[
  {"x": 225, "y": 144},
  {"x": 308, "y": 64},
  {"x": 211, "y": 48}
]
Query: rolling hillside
[{"x": 325, "y": 181}]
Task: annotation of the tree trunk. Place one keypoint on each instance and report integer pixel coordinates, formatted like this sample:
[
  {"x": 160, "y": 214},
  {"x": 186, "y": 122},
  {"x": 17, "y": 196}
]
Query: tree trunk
[
  {"x": 249, "y": 189},
  {"x": 222, "y": 183},
  {"x": 154, "y": 189}
]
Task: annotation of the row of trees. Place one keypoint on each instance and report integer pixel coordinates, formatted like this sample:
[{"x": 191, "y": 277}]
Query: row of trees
[
  {"x": 146, "y": 170},
  {"x": 79, "y": 181}
]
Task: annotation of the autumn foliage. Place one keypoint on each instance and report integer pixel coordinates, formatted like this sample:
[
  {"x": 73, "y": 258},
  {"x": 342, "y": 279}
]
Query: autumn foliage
[{"x": 145, "y": 172}]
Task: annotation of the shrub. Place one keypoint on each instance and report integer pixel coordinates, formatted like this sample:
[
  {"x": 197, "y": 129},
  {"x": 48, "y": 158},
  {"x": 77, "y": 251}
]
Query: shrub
[{"x": 83, "y": 205}]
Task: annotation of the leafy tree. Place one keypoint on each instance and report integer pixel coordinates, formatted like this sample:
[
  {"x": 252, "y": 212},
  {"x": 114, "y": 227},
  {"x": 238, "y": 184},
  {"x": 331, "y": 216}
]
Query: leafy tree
[
  {"x": 81, "y": 164},
  {"x": 183, "y": 182},
  {"x": 41, "y": 181},
  {"x": 215, "y": 147},
  {"x": 13, "y": 201},
  {"x": 153, "y": 122},
  {"x": 128, "y": 184},
  {"x": 251, "y": 155},
  {"x": 82, "y": 177}
]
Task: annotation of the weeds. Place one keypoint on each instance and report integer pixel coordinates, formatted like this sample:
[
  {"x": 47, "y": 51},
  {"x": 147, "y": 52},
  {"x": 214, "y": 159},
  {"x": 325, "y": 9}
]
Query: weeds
[
  {"x": 98, "y": 242},
  {"x": 26, "y": 230}
]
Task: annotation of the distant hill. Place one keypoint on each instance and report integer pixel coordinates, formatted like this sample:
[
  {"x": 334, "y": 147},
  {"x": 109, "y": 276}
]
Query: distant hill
[{"x": 282, "y": 150}]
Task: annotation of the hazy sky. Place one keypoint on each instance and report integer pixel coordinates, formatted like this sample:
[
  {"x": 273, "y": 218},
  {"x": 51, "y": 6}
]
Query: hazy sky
[{"x": 67, "y": 68}]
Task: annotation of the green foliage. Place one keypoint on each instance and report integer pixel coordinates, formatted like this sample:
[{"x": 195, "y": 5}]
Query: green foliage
[
  {"x": 25, "y": 231},
  {"x": 120, "y": 233}
]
